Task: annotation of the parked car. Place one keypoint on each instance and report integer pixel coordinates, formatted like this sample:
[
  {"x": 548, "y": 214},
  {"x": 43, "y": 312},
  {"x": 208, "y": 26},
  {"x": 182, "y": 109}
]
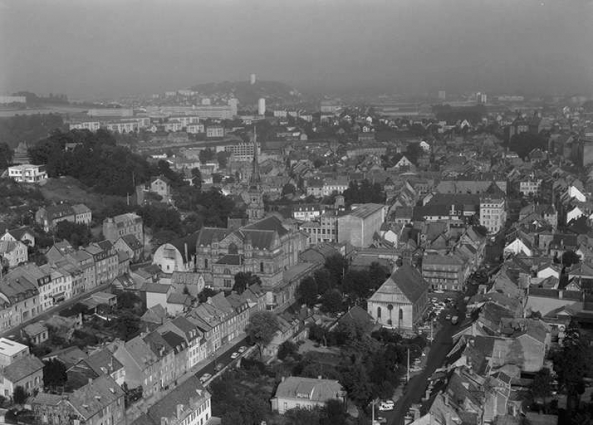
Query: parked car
[
  {"x": 455, "y": 319},
  {"x": 386, "y": 405},
  {"x": 234, "y": 355},
  {"x": 219, "y": 367},
  {"x": 242, "y": 349},
  {"x": 448, "y": 317},
  {"x": 205, "y": 377}
]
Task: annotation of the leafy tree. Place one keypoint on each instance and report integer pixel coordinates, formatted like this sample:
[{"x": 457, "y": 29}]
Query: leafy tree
[
  {"x": 19, "y": 396},
  {"x": 378, "y": 274},
  {"x": 5, "y": 156},
  {"x": 288, "y": 189},
  {"x": 331, "y": 301},
  {"x": 205, "y": 294},
  {"x": 337, "y": 266},
  {"x": 413, "y": 152},
  {"x": 54, "y": 373},
  {"x": 128, "y": 300},
  {"x": 363, "y": 192},
  {"x": 94, "y": 159},
  {"x": 261, "y": 328},
  {"x": 222, "y": 158},
  {"x": 307, "y": 291},
  {"x": 206, "y": 155},
  {"x": 357, "y": 283},
  {"x": 572, "y": 364},
  {"x": 196, "y": 178},
  {"x": 76, "y": 234},
  {"x": 287, "y": 349},
  {"x": 128, "y": 325},
  {"x": 303, "y": 416},
  {"x": 541, "y": 387},
  {"x": 323, "y": 280},
  {"x": 244, "y": 280},
  {"x": 334, "y": 412},
  {"x": 524, "y": 143},
  {"x": 569, "y": 258}
]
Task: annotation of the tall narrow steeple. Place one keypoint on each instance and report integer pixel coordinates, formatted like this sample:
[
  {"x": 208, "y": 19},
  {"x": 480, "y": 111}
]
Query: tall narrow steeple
[{"x": 255, "y": 174}]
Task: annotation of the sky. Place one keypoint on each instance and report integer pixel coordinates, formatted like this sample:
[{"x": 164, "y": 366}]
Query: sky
[{"x": 108, "y": 48}]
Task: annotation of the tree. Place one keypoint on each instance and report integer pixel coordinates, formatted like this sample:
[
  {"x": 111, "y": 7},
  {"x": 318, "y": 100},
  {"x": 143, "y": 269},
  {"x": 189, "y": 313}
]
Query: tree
[
  {"x": 541, "y": 387},
  {"x": 54, "y": 373},
  {"x": 287, "y": 349},
  {"x": 196, "y": 178},
  {"x": 569, "y": 258},
  {"x": 5, "y": 156},
  {"x": 331, "y": 301},
  {"x": 288, "y": 189},
  {"x": 261, "y": 328},
  {"x": 205, "y": 294},
  {"x": 76, "y": 234},
  {"x": 206, "y": 155},
  {"x": 337, "y": 266},
  {"x": 307, "y": 291},
  {"x": 128, "y": 300},
  {"x": 303, "y": 416},
  {"x": 222, "y": 158},
  {"x": 128, "y": 325},
  {"x": 571, "y": 363},
  {"x": 334, "y": 412},
  {"x": 244, "y": 280},
  {"x": 19, "y": 396}
]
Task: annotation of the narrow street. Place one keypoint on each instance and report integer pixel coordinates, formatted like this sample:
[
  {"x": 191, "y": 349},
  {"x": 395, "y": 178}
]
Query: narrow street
[
  {"x": 15, "y": 332},
  {"x": 417, "y": 386}
]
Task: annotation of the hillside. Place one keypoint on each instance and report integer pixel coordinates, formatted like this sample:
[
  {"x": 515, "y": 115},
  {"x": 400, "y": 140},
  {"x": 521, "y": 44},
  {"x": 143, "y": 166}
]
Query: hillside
[{"x": 273, "y": 91}]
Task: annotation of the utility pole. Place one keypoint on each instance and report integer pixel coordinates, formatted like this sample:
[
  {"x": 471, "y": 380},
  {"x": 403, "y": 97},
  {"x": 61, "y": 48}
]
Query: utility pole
[{"x": 408, "y": 368}]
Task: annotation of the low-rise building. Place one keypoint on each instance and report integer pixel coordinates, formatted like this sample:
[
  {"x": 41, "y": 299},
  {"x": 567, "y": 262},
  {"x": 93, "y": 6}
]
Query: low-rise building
[
  {"x": 295, "y": 392},
  {"x": 27, "y": 173}
]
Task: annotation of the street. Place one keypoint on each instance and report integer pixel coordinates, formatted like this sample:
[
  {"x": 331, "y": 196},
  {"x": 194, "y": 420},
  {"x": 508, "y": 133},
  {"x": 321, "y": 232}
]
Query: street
[
  {"x": 417, "y": 386},
  {"x": 14, "y": 333}
]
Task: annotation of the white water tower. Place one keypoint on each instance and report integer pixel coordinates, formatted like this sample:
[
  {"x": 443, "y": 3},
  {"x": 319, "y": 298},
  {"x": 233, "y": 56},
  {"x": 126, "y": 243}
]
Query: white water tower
[{"x": 261, "y": 106}]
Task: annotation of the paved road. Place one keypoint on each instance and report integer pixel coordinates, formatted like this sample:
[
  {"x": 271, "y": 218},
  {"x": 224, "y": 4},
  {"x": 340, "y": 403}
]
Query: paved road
[
  {"x": 15, "y": 332},
  {"x": 417, "y": 386}
]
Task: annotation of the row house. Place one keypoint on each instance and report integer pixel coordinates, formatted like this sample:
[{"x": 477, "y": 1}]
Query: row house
[
  {"x": 49, "y": 217},
  {"x": 325, "y": 229},
  {"x": 100, "y": 402},
  {"x": 122, "y": 225},
  {"x": 13, "y": 253},
  {"x": 106, "y": 261},
  {"x": 19, "y": 295}
]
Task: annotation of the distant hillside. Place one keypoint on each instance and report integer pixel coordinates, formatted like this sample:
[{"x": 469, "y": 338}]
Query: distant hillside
[{"x": 249, "y": 94}]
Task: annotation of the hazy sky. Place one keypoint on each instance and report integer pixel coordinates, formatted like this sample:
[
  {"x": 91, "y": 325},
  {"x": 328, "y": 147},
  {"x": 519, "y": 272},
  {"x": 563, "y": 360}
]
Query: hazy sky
[{"x": 88, "y": 48}]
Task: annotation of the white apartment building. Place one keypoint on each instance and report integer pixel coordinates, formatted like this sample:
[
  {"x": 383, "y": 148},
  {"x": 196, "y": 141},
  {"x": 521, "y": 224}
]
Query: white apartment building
[
  {"x": 87, "y": 125},
  {"x": 27, "y": 173},
  {"x": 493, "y": 213}
]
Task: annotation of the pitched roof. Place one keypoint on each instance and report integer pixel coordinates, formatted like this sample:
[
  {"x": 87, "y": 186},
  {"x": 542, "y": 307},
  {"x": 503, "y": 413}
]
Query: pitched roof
[
  {"x": 405, "y": 280},
  {"x": 190, "y": 393},
  {"x": 270, "y": 223},
  {"x": 312, "y": 389},
  {"x": 23, "y": 367},
  {"x": 95, "y": 396},
  {"x": 103, "y": 362}
]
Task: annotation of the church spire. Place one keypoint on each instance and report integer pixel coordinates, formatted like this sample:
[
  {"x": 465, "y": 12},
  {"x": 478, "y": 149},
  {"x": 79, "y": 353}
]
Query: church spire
[{"x": 255, "y": 175}]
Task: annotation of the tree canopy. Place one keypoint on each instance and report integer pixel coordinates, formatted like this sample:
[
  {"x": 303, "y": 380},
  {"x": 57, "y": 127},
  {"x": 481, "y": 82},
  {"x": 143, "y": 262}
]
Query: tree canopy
[
  {"x": 244, "y": 280},
  {"x": 364, "y": 192},
  {"x": 54, "y": 373},
  {"x": 92, "y": 158},
  {"x": 262, "y": 327}
]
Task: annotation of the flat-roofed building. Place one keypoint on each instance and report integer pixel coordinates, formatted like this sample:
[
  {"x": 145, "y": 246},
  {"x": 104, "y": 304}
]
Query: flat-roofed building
[{"x": 359, "y": 226}]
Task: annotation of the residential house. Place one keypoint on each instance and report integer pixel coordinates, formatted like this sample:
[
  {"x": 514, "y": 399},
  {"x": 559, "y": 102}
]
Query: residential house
[
  {"x": 105, "y": 259},
  {"x": 27, "y": 173},
  {"x": 122, "y": 225},
  {"x": 99, "y": 402},
  {"x": 162, "y": 187},
  {"x": 20, "y": 295},
  {"x": 82, "y": 214},
  {"x": 22, "y": 234},
  {"x": 142, "y": 366},
  {"x": 26, "y": 372},
  {"x": 13, "y": 253},
  {"x": 188, "y": 404},
  {"x": 36, "y": 333},
  {"x": 306, "y": 393},
  {"x": 131, "y": 246},
  {"x": 444, "y": 272}
]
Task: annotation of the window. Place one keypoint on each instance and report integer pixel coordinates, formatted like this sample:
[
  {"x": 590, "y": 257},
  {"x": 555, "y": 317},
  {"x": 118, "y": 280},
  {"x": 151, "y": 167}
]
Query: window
[
  {"x": 261, "y": 267},
  {"x": 378, "y": 312}
]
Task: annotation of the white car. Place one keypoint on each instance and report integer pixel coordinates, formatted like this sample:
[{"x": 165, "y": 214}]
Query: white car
[
  {"x": 234, "y": 355},
  {"x": 242, "y": 349},
  {"x": 205, "y": 377},
  {"x": 386, "y": 406}
]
